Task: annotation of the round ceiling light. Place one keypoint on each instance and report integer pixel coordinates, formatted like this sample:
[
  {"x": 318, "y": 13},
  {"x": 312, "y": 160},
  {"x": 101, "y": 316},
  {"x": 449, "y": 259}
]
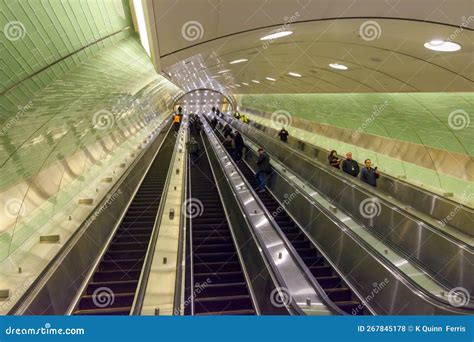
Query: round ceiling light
[
  {"x": 338, "y": 66},
  {"x": 442, "y": 45},
  {"x": 277, "y": 35}
]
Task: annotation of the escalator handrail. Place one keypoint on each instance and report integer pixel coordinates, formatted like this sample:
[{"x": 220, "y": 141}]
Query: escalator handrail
[
  {"x": 370, "y": 192},
  {"x": 370, "y": 250},
  {"x": 307, "y": 273}
]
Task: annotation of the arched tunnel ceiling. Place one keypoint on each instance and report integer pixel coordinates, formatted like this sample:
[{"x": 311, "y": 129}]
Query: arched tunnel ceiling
[
  {"x": 390, "y": 58},
  {"x": 201, "y": 101}
]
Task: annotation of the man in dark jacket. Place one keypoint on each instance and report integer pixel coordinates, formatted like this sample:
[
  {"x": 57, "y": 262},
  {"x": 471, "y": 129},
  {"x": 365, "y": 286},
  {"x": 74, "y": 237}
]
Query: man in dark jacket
[
  {"x": 368, "y": 174},
  {"x": 264, "y": 169},
  {"x": 350, "y": 166},
  {"x": 238, "y": 146},
  {"x": 193, "y": 150},
  {"x": 283, "y": 134},
  {"x": 214, "y": 122},
  {"x": 226, "y": 130}
]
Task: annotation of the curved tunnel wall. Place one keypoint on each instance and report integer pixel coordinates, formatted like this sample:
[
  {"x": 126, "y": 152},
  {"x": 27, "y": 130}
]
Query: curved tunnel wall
[
  {"x": 78, "y": 91},
  {"x": 426, "y": 137}
]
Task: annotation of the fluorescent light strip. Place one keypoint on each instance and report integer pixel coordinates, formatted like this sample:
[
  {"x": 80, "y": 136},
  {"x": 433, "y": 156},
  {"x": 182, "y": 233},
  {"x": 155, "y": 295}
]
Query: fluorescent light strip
[
  {"x": 277, "y": 35},
  {"x": 255, "y": 81},
  {"x": 294, "y": 74},
  {"x": 338, "y": 66},
  {"x": 239, "y": 61},
  {"x": 270, "y": 79},
  {"x": 245, "y": 83},
  {"x": 223, "y": 71}
]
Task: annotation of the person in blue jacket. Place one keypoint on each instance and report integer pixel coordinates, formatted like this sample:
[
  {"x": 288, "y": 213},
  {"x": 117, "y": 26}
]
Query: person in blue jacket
[{"x": 368, "y": 174}]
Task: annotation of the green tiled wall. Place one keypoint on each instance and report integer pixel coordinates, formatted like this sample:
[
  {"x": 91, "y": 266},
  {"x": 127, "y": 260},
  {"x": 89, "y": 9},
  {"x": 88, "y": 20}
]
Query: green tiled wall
[
  {"x": 76, "y": 58},
  {"x": 420, "y": 118}
]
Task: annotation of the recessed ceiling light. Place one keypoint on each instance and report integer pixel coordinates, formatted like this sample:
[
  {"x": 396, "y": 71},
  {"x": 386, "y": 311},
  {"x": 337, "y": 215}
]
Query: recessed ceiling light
[
  {"x": 255, "y": 81},
  {"x": 277, "y": 35},
  {"x": 270, "y": 79},
  {"x": 245, "y": 83},
  {"x": 223, "y": 71},
  {"x": 239, "y": 61},
  {"x": 294, "y": 74},
  {"x": 338, "y": 66},
  {"x": 443, "y": 46}
]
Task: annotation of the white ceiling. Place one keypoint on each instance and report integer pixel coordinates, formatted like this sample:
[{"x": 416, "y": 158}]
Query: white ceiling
[{"x": 390, "y": 58}]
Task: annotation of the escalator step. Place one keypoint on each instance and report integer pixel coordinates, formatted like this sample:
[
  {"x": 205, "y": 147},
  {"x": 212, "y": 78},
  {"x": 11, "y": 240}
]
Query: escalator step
[
  {"x": 119, "y": 286},
  {"x": 219, "y": 277},
  {"x": 222, "y": 305},
  {"x": 116, "y": 275},
  {"x": 216, "y": 267},
  {"x": 339, "y": 294},
  {"x": 106, "y": 300}
]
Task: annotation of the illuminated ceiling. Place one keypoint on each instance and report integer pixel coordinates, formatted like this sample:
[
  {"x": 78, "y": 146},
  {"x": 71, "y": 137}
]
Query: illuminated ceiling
[{"x": 360, "y": 51}]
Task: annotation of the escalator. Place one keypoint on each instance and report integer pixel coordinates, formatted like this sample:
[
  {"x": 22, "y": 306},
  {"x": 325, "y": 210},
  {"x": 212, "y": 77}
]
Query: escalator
[
  {"x": 112, "y": 287},
  {"x": 323, "y": 272},
  {"x": 216, "y": 285}
]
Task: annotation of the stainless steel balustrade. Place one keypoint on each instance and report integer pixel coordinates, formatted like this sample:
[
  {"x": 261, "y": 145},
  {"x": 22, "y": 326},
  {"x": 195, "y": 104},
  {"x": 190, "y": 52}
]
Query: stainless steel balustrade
[
  {"x": 396, "y": 293},
  {"x": 422, "y": 200},
  {"x": 446, "y": 258}
]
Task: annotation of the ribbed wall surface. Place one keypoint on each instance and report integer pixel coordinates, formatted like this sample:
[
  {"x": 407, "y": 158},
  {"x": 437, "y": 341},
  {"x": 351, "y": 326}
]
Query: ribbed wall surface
[{"x": 76, "y": 86}]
